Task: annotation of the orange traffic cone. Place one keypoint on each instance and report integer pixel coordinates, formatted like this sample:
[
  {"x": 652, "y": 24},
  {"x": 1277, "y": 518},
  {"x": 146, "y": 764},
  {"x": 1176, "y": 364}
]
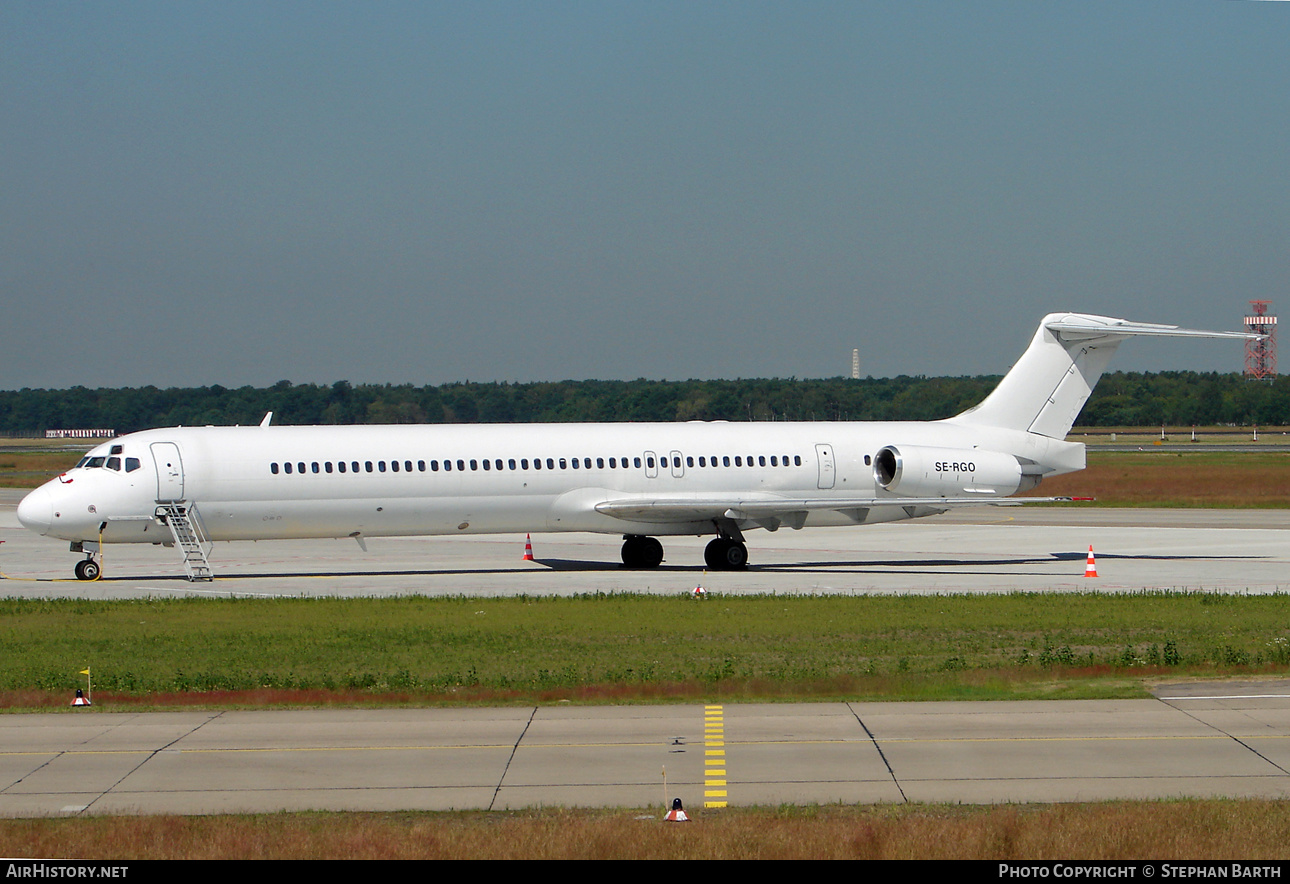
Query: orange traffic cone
[
  {"x": 1090, "y": 570},
  {"x": 528, "y": 549}
]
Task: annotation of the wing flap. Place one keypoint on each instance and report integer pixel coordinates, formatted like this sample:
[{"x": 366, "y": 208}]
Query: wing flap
[{"x": 788, "y": 511}]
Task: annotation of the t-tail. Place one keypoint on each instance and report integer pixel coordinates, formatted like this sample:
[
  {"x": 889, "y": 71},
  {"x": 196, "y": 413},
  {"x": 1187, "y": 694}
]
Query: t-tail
[{"x": 1045, "y": 390}]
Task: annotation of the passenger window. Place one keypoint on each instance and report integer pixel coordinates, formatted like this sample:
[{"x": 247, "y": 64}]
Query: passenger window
[
  {"x": 447, "y": 466},
  {"x": 550, "y": 463},
  {"x": 613, "y": 463},
  {"x": 600, "y": 463},
  {"x": 575, "y": 463},
  {"x": 421, "y": 466},
  {"x": 273, "y": 468},
  {"x": 524, "y": 463},
  {"x": 368, "y": 465},
  {"x": 537, "y": 463},
  {"x": 287, "y": 467},
  {"x": 474, "y": 465},
  {"x": 394, "y": 465},
  {"x": 315, "y": 466},
  {"x": 761, "y": 460},
  {"x": 487, "y": 465},
  {"x": 380, "y": 465},
  {"x": 797, "y": 460},
  {"x": 300, "y": 468},
  {"x": 739, "y": 461},
  {"x": 510, "y": 464},
  {"x": 637, "y": 462},
  {"x": 774, "y": 461},
  {"x": 434, "y": 466},
  {"x": 327, "y": 467},
  {"x": 725, "y": 460},
  {"x": 564, "y": 464},
  {"x": 341, "y": 466}
]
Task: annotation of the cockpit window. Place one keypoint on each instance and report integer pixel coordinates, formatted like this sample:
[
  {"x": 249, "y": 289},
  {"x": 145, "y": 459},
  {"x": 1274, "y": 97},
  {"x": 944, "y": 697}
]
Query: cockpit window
[
  {"x": 132, "y": 464},
  {"x": 95, "y": 462},
  {"x": 82, "y": 462},
  {"x": 113, "y": 463}
]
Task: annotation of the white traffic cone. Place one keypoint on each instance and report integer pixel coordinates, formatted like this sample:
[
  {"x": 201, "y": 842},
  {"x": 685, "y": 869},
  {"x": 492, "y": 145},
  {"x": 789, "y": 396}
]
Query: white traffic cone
[
  {"x": 528, "y": 549},
  {"x": 1090, "y": 570}
]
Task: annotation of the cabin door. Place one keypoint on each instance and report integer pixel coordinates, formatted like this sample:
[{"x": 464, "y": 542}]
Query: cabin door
[
  {"x": 824, "y": 456},
  {"x": 170, "y": 472}
]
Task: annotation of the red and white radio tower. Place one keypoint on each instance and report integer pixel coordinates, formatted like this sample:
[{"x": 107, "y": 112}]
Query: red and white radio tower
[{"x": 1261, "y": 355}]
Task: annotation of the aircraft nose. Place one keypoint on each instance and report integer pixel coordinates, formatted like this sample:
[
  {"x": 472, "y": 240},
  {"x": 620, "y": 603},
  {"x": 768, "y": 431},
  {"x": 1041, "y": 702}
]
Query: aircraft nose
[{"x": 36, "y": 511}]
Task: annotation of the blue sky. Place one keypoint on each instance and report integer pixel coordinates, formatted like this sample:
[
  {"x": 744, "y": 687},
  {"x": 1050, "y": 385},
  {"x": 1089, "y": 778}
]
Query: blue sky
[{"x": 237, "y": 193}]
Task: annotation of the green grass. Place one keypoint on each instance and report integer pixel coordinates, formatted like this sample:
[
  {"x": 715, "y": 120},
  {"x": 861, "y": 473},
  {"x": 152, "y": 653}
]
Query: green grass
[{"x": 635, "y": 647}]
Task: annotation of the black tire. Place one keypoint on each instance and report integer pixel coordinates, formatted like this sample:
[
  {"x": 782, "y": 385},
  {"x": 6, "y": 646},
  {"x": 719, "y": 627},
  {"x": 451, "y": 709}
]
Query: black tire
[
  {"x": 724, "y": 554},
  {"x": 652, "y": 553},
  {"x": 642, "y": 552},
  {"x": 87, "y": 569},
  {"x": 714, "y": 554},
  {"x": 736, "y": 556}
]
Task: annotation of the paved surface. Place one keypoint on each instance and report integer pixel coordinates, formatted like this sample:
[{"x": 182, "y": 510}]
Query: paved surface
[
  {"x": 1197, "y": 742},
  {"x": 985, "y": 549},
  {"x": 1193, "y": 741}
]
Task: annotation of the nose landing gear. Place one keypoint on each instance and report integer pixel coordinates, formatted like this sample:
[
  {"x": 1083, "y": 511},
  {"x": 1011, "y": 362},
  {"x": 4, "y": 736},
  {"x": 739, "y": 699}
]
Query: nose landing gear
[{"x": 87, "y": 569}]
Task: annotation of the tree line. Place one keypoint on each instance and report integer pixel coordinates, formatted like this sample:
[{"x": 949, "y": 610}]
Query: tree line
[{"x": 1176, "y": 398}]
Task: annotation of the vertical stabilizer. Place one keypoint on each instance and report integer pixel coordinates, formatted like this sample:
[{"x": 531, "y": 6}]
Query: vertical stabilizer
[{"x": 1045, "y": 390}]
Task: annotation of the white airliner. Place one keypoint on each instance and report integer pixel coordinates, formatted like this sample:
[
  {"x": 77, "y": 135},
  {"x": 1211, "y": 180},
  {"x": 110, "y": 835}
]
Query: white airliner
[{"x": 193, "y": 485}]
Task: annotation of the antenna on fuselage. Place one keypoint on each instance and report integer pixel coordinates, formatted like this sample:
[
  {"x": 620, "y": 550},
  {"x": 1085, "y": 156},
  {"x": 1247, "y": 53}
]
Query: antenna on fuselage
[{"x": 268, "y": 418}]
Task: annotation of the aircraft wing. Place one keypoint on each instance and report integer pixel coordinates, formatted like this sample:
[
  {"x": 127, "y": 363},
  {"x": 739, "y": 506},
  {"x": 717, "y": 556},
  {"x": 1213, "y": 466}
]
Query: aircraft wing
[{"x": 786, "y": 510}]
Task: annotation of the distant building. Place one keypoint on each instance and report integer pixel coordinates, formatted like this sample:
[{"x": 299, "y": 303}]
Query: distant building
[{"x": 80, "y": 434}]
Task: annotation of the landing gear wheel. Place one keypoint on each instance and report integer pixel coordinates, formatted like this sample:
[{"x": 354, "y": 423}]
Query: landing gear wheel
[
  {"x": 87, "y": 569},
  {"x": 642, "y": 552},
  {"x": 724, "y": 554}
]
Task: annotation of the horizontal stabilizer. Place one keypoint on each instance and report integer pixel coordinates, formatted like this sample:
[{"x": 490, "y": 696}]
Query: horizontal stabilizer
[{"x": 1081, "y": 327}]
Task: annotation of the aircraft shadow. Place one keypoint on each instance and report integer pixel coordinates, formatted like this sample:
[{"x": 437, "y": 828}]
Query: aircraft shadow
[{"x": 867, "y": 566}]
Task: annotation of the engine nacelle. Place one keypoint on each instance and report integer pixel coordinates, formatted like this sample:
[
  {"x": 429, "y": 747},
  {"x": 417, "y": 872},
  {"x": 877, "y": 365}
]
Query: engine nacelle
[{"x": 918, "y": 471}]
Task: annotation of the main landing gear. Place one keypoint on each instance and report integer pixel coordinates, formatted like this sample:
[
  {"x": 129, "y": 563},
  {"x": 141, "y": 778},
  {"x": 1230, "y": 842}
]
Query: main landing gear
[
  {"x": 641, "y": 552},
  {"x": 726, "y": 554},
  {"x": 722, "y": 554}
]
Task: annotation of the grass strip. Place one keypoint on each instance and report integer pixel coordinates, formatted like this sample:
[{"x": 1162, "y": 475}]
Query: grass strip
[
  {"x": 625, "y": 647},
  {"x": 1124, "y": 830}
]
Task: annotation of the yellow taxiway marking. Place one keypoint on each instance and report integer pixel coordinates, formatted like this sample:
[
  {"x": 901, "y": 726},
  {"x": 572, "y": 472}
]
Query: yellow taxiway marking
[{"x": 714, "y": 741}]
